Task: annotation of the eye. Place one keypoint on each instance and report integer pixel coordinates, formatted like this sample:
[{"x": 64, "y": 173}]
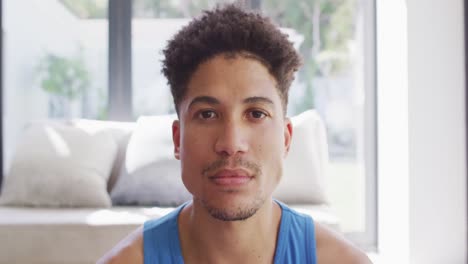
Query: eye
[
  {"x": 256, "y": 114},
  {"x": 207, "y": 114}
]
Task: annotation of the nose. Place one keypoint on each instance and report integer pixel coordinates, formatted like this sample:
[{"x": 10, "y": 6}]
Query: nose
[{"x": 231, "y": 139}]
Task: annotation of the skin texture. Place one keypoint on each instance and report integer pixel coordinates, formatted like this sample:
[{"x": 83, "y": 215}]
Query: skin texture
[{"x": 231, "y": 139}]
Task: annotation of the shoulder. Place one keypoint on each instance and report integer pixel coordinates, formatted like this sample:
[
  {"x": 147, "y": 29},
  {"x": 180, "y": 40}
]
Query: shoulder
[
  {"x": 129, "y": 250},
  {"x": 332, "y": 247}
]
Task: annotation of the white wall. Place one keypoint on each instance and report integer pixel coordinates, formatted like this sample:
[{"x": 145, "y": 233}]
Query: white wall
[
  {"x": 437, "y": 149},
  {"x": 392, "y": 99},
  {"x": 422, "y": 132}
]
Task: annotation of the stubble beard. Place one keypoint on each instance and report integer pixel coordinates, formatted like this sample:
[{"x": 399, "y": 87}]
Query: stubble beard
[{"x": 241, "y": 212}]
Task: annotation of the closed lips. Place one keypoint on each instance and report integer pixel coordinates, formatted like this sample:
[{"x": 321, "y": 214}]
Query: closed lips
[{"x": 231, "y": 177}]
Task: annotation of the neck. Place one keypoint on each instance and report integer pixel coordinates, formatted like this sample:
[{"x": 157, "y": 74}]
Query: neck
[{"x": 205, "y": 239}]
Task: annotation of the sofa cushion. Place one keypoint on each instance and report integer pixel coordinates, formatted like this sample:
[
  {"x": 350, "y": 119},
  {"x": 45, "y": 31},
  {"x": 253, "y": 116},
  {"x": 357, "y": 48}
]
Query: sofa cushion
[
  {"x": 304, "y": 170},
  {"x": 120, "y": 131},
  {"x": 151, "y": 175},
  {"x": 60, "y": 165}
]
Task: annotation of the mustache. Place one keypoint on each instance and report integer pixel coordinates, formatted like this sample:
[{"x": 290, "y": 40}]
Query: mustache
[{"x": 237, "y": 163}]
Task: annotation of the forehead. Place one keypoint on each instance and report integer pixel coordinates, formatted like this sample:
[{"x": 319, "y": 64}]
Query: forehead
[{"x": 232, "y": 76}]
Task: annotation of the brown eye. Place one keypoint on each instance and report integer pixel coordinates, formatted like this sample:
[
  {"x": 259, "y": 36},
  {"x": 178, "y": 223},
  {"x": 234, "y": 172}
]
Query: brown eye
[
  {"x": 208, "y": 114},
  {"x": 257, "y": 114}
]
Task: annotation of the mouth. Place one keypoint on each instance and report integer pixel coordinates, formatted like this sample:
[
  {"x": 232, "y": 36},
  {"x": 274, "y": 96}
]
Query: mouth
[{"x": 231, "y": 177}]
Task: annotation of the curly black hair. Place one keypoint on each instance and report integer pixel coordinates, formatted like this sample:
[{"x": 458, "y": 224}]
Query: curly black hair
[{"x": 227, "y": 30}]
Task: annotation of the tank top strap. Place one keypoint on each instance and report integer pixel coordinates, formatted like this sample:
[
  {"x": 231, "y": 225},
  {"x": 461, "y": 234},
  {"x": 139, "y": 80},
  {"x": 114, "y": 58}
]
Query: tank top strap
[
  {"x": 161, "y": 242},
  {"x": 296, "y": 238}
]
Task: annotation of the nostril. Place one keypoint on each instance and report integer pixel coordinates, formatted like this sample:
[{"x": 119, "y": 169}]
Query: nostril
[{"x": 230, "y": 148}]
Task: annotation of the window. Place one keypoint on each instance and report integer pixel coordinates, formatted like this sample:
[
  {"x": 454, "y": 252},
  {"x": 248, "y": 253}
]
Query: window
[{"x": 55, "y": 63}]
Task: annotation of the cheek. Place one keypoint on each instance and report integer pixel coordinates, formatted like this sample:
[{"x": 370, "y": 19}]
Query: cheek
[
  {"x": 195, "y": 153},
  {"x": 269, "y": 139},
  {"x": 192, "y": 157},
  {"x": 193, "y": 141},
  {"x": 269, "y": 147}
]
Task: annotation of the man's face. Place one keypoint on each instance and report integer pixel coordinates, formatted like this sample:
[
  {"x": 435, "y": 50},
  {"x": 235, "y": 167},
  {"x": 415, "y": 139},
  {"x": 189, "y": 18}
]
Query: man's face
[{"x": 232, "y": 136}]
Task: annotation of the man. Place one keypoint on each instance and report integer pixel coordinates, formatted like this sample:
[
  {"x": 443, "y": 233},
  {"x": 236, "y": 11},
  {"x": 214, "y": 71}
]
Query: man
[{"x": 230, "y": 72}]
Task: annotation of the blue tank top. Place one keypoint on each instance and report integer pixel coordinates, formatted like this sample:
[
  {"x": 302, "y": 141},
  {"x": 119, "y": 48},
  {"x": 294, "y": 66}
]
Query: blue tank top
[{"x": 295, "y": 241}]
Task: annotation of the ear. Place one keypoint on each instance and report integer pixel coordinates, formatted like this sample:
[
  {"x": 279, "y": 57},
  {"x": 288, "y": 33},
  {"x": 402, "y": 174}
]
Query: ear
[
  {"x": 288, "y": 132},
  {"x": 176, "y": 138}
]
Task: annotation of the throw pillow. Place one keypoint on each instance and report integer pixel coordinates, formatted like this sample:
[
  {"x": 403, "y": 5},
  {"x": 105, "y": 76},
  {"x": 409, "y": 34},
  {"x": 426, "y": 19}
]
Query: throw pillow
[
  {"x": 60, "y": 166},
  {"x": 151, "y": 175},
  {"x": 304, "y": 170}
]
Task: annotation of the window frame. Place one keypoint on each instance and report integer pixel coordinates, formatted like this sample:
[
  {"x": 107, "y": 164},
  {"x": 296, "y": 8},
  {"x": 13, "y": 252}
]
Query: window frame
[
  {"x": 368, "y": 239},
  {"x": 120, "y": 60}
]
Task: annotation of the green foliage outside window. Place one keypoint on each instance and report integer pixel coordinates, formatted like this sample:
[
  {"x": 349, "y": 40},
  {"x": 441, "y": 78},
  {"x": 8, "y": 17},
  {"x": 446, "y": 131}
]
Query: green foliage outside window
[
  {"x": 65, "y": 80},
  {"x": 61, "y": 76},
  {"x": 87, "y": 8}
]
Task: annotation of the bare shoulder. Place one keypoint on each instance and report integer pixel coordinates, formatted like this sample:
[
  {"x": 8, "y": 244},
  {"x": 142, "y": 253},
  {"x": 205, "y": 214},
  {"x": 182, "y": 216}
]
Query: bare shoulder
[
  {"x": 332, "y": 247},
  {"x": 129, "y": 250}
]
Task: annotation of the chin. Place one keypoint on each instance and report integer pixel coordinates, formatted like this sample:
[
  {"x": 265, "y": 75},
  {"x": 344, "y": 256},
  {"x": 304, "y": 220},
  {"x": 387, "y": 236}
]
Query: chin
[{"x": 229, "y": 208}]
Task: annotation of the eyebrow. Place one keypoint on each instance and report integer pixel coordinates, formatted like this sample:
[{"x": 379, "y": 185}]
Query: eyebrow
[
  {"x": 214, "y": 101},
  {"x": 258, "y": 99},
  {"x": 204, "y": 99}
]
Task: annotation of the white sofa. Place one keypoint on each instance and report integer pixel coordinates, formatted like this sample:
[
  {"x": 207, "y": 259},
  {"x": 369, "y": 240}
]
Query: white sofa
[{"x": 54, "y": 233}]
